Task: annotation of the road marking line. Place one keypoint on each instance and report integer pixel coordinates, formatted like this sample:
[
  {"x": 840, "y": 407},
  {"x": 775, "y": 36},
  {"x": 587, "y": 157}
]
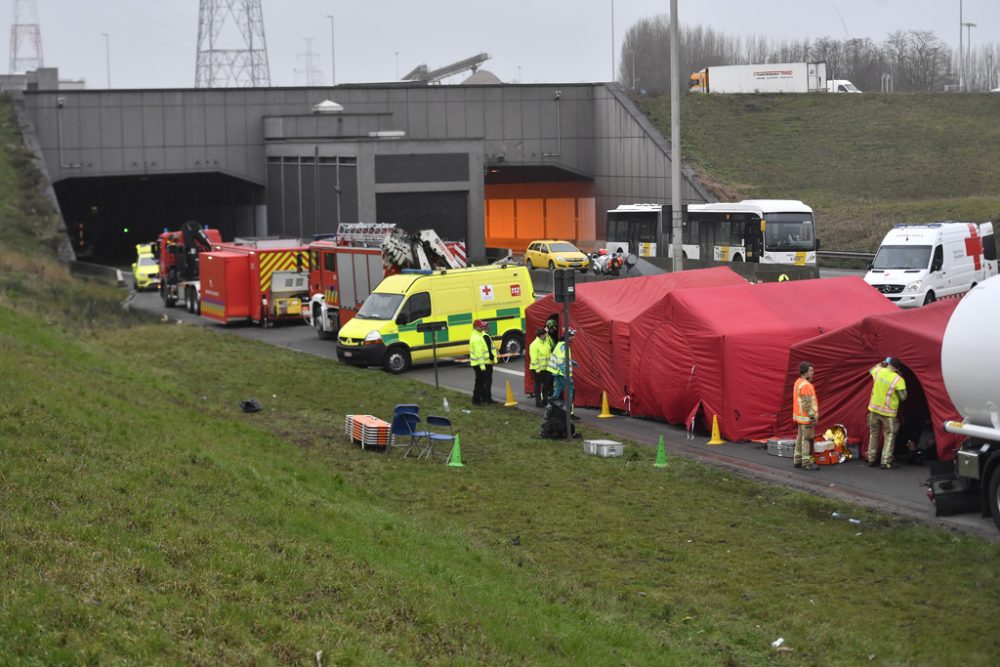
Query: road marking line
[{"x": 504, "y": 370}]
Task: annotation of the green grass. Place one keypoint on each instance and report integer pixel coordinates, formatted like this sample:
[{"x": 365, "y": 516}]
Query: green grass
[
  {"x": 863, "y": 162},
  {"x": 147, "y": 520}
]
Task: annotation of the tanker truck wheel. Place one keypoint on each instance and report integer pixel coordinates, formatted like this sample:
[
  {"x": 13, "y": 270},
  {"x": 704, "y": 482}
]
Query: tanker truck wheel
[{"x": 993, "y": 498}]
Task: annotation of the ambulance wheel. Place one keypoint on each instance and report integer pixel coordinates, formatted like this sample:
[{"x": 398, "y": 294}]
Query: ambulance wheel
[
  {"x": 930, "y": 298},
  {"x": 397, "y": 360},
  {"x": 993, "y": 498},
  {"x": 512, "y": 345}
]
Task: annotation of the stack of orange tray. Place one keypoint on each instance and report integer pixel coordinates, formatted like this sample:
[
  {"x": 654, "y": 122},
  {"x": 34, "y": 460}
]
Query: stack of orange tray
[{"x": 368, "y": 430}]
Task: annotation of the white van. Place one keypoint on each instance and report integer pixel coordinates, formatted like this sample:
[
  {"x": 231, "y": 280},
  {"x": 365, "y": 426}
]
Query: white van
[
  {"x": 840, "y": 86},
  {"x": 918, "y": 264}
]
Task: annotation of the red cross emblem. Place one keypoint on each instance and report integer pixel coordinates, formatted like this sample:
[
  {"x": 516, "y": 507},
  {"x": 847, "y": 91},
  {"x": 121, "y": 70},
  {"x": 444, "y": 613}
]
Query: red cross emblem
[{"x": 974, "y": 247}]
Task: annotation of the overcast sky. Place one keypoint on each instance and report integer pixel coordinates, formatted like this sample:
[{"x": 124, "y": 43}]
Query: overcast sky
[{"x": 153, "y": 43}]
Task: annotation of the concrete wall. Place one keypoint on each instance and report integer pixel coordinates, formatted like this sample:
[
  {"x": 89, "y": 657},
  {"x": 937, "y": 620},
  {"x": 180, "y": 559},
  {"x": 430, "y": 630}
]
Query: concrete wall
[{"x": 590, "y": 130}]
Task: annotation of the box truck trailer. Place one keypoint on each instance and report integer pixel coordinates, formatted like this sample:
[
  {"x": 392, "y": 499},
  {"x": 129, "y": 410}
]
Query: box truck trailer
[{"x": 767, "y": 78}]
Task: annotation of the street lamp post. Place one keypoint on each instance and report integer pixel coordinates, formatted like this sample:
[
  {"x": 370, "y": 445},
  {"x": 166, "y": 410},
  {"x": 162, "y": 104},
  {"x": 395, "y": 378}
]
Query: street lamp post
[
  {"x": 107, "y": 55},
  {"x": 333, "y": 54},
  {"x": 613, "y": 40},
  {"x": 968, "y": 53}
]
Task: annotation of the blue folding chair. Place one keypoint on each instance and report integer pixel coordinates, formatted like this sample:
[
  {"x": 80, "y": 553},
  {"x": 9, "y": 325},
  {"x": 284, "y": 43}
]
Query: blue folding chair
[
  {"x": 405, "y": 429},
  {"x": 407, "y": 407},
  {"x": 436, "y": 435}
]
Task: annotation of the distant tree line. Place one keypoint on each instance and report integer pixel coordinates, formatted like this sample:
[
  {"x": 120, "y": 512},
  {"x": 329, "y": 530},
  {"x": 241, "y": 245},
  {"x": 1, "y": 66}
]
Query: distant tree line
[{"x": 906, "y": 61}]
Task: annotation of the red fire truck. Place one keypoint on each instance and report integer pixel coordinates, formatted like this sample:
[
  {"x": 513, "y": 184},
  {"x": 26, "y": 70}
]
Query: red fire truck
[
  {"x": 348, "y": 265},
  {"x": 178, "y": 256},
  {"x": 264, "y": 281}
]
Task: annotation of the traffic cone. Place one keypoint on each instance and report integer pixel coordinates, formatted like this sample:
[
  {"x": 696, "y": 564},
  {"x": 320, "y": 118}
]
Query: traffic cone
[
  {"x": 605, "y": 410},
  {"x": 455, "y": 458},
  {"x": 511, "y": 401},
  {"x": 716, "y": 436},
  {"x": 661, "y": 455}
]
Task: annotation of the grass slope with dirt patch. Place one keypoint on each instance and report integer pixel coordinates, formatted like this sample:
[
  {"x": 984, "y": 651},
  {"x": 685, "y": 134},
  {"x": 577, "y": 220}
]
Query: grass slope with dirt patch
[{"x": 863, "y": 162}]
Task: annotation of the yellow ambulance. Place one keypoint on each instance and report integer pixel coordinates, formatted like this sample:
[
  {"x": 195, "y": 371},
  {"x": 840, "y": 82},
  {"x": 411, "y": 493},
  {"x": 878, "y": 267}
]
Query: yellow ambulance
[{"x": 385, "y": 332}]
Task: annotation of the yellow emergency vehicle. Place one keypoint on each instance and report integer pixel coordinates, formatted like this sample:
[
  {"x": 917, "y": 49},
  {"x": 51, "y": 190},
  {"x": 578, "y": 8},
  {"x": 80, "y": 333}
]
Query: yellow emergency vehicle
[{"x": 384, "y": 331}]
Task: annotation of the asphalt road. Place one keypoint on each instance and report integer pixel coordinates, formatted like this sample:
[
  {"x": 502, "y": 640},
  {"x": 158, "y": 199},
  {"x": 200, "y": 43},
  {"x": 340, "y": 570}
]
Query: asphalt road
[{"x": 900, "y": 491}]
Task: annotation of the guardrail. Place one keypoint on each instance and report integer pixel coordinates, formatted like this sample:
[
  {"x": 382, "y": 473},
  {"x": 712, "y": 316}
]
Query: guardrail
[
  {"x": 105, "y": 274},
  {"x": 845, "y": 254}
]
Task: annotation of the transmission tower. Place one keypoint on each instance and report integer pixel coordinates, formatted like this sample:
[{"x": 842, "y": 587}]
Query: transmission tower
[
  {"x": 25, "y": 38},
  {"x": 311, "y": 71},
  {"x": 232, "y": 51}
]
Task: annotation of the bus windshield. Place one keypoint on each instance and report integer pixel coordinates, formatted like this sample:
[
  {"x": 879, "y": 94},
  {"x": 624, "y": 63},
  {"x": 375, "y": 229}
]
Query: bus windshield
[
  {"x": 789, "y": 232},
  {"x": 902, "y": 257},
  {"x": 379, "y": 306}
]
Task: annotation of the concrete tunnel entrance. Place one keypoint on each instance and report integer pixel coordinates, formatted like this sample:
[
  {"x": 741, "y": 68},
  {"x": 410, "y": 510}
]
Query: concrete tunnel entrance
[{"x": 106, "y": 217}]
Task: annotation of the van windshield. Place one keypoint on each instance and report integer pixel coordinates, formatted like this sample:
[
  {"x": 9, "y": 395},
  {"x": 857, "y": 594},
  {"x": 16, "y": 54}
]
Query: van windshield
[
  {"x": 379, "y": 306},
  {"x": 902, "y": 257}
]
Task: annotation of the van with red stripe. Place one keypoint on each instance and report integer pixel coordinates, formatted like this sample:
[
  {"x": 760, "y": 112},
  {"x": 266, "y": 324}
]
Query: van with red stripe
[{"x": 918, "y": 264}]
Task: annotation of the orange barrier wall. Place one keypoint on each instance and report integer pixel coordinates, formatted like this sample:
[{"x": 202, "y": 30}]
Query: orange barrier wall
[{"x": 519, "y": 213}]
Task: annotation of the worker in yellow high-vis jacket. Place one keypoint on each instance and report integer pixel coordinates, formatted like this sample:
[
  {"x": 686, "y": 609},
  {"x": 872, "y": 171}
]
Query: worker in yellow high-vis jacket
[
  {"x": 539, "y": 352},
  {"x": 482, "y": 356},
  {"x": 888, "y": 390}
]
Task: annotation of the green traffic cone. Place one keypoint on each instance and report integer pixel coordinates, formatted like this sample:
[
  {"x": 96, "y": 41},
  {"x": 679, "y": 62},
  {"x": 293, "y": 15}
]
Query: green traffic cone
[
  {"x": 661, "y": 456},
  {"x": 455, "y": 458}
]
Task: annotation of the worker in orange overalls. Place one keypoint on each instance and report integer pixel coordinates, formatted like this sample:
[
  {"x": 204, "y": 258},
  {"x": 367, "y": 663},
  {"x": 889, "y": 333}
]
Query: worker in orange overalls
[{"x": 805, "y": 412}]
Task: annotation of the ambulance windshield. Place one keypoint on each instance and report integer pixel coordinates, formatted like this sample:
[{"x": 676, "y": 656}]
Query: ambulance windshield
[
  {"x": 906, "y": 257},
  {"x": 379, "y": 306}
]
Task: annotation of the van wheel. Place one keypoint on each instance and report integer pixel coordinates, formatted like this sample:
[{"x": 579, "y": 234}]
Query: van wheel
[
  {"x": 929, "y": 298},
  {"x": 397, "y": 360},
  {"x": 512, "y": 345},
  {"x": 318, "y": 324}
]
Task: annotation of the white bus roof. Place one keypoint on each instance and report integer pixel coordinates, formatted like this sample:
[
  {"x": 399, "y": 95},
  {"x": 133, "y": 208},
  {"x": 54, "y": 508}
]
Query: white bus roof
[
  {"x": 632, "y": 208},
  {"x": 753, "y": 206}
]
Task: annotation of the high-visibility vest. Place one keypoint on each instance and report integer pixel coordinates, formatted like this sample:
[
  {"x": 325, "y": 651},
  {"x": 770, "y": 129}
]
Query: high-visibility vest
[
  {"x": 805, "y": 407},
  {"x": 479, "y": 352},
  {"x": 557, "y": 360},
  {"x": 539, "y": 352},
  {"x": 885, "y": 392}
]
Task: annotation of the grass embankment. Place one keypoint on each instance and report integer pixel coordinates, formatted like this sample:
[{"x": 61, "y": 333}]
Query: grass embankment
[
  {"x": 863, "y": 162},
  {"x": 147, "y": 520}
]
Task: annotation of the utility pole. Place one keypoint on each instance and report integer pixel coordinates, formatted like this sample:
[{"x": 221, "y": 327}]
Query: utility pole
[
  {"x": 107, "y": 55},
  {"x": 613, "y": 77},
  {"x": 961, "y": 61},
  {"x": 25, "y": 35},
  {"x": 677, "y": 227},
  {"x": 968, "y": 54},
  {"x": 333, "y": 54}
]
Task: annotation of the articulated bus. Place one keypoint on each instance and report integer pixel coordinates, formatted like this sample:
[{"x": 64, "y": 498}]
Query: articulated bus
[{"x": 764, "y": 231}]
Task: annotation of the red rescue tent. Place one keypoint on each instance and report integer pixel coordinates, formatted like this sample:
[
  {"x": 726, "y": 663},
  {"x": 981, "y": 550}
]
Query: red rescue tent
[
  {"x": 602, "y": 314},
  {"x": 842, "y": 360},
  {"x": 724, "y": 350}
]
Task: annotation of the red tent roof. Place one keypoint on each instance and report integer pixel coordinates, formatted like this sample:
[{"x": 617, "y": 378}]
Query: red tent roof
[
  {"x": 725, "y": 349},
  {"x": 601, "y": 315},
  {"x": 842, "y": 360}
]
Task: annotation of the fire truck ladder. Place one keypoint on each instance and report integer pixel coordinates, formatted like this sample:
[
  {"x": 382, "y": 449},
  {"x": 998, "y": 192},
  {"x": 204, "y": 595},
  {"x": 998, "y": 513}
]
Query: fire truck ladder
[{"x": 364, "y": 234}]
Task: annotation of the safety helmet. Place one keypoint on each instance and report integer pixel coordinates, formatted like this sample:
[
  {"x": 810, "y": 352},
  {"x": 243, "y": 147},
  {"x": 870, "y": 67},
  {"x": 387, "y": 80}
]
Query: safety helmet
[
  {"x": 571, "y": 331},
  {"x": 603, "y": 251}
]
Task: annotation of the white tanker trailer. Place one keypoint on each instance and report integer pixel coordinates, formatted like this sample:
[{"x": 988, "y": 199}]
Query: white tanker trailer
[{"x": 970, "y": 363}]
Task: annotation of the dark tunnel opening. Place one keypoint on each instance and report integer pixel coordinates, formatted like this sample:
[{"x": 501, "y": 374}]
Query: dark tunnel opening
[{"x": 107, "y": 217}]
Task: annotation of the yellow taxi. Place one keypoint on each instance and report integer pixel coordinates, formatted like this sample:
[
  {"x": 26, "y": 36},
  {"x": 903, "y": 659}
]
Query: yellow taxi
[
  {"x": 145, "y": 268},
  {"x": 555, "y": 255}
]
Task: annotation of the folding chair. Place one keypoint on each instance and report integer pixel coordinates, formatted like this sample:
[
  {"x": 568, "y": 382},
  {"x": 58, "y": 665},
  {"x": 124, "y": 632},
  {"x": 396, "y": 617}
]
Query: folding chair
[
  {"x": 406, "y": 425},
  {"x": 407, "y": 407},
  {"x": 437, "y": 436}
]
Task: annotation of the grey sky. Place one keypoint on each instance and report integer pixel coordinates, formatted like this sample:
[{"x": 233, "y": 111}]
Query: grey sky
[{"x": 153, "y": 42}]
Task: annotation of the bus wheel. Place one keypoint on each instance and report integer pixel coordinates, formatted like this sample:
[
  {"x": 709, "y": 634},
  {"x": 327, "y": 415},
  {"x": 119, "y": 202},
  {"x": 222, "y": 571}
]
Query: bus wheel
[
  {"x": 737, "y": 258},
  {"x": 512, "y": 345},
  {"x": 929, "y": 298},
  {"x": 397, "y": 360}
]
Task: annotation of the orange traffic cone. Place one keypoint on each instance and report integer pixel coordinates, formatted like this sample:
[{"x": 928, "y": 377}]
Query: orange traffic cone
[
  {"x": 605, "y": 410},
  {"x": 716, "y": 436},
  {"x": 511, "y": 401}
]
